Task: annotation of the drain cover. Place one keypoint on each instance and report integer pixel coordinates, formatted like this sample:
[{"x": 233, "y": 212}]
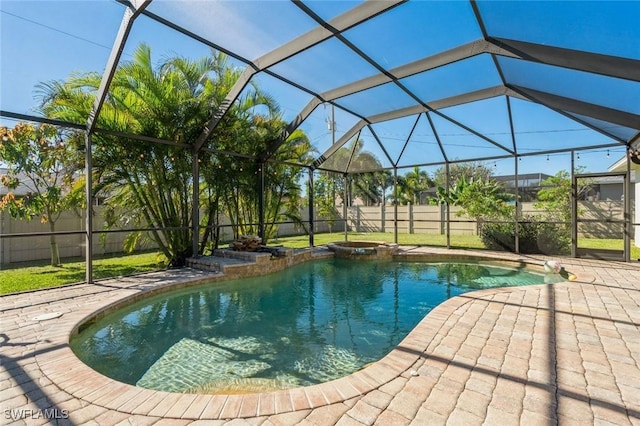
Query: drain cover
[{"x": 47, "y": 316}]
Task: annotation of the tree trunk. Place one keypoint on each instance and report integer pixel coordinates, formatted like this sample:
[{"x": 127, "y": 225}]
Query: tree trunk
[
  {"x": 212, "y": 209},
  {"x": 55, "y": 254}
]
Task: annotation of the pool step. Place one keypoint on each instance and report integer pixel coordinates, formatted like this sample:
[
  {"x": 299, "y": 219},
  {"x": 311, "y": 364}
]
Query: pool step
[
  {"x": 242, "y": 263},
  {"x": 217, "y": 264}
]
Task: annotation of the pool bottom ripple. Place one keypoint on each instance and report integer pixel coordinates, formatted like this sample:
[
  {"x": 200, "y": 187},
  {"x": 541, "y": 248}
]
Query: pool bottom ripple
[{"x": 225, "y": 365}]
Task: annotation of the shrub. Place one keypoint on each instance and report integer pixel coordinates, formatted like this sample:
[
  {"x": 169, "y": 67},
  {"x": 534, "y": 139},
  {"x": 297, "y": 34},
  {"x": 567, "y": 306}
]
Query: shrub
[{"x": 534, "y": 237}]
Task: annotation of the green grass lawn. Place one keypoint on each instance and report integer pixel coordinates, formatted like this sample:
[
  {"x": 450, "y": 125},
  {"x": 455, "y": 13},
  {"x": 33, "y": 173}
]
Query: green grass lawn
[
  {"x": 608, "y": 244},
  {"x": 35, "y": 275},
  {"x": 466, "y": 241},
  {"x": 457, "y": 241}
]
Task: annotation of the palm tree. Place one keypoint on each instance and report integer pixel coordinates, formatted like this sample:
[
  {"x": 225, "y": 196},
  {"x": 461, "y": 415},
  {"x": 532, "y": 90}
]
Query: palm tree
[
  {"x": 417, "y": 181},
  {"x": 282, "y": 194},
  {"x": 152, "y": 183},
  {"x": 400, "y": 197}
]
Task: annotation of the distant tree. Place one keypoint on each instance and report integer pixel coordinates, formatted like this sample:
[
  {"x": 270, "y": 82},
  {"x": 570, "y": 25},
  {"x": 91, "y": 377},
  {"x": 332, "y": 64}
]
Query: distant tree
[
  {"x": 364, "y": 182},
  {"x": 371, "y": 187},
  {"x": 325, "y": 190},
  {"x": 474, "y": 170},
  {"x": 39, "y": 159},
  {"x": 555, "y": 196}
]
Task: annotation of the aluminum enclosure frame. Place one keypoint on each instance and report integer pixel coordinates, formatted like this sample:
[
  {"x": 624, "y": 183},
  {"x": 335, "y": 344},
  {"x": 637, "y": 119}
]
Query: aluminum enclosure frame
[{"x": 595, "y": 63}]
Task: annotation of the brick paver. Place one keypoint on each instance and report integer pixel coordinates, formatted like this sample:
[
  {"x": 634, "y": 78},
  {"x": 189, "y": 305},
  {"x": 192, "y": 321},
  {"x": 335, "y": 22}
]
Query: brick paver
[{"x": 565, "y": 353}]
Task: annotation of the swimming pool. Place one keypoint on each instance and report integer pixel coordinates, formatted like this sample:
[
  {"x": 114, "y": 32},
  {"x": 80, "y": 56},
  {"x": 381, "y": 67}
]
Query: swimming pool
[{"x": 314, "y": 322}]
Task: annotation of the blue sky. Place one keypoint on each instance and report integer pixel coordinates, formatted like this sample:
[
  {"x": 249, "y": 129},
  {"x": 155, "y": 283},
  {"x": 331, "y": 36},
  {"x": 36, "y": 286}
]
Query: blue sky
[{"x": 49, "y": 40}]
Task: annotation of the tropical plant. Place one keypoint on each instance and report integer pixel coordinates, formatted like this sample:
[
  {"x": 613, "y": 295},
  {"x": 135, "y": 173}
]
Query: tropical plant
[
  {"x": 401, "y": 195},
  {"x": 281, "y": 192},
  {"x": 46, "y": 165},
  {"x": 555, "y": 196},
  {"x": 153, "y": 183},
  {"x": 534, "y": 236},
  {"x": 554, "y": 199},
  {"x": 480, "y": 199}
]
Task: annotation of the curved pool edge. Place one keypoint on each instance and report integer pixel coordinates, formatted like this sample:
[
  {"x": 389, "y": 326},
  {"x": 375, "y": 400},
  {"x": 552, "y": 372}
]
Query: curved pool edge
[{"x": 71, "y": 375}]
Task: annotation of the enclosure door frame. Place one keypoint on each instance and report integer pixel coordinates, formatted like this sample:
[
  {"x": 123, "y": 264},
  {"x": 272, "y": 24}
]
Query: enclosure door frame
[{"x": 625, "y": 222}]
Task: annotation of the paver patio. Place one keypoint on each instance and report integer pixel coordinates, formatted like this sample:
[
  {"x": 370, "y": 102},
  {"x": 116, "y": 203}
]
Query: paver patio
[{"x": 566, "y": 353}]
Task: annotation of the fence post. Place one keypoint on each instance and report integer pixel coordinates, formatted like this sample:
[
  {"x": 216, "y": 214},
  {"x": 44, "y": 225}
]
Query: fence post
[
  {"x": 410, "y": 217},
  {"x": 395, "y": 205},
  {"x": 2, "y": 240},
  {"x": 382, "y": 218}
]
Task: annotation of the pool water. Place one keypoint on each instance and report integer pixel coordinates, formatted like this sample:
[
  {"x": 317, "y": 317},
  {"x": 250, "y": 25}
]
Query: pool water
[{"x": 311, "y": 323}]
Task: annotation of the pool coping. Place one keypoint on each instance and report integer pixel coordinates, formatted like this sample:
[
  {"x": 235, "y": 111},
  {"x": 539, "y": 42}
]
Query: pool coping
[{"x": 71, "y": 375}]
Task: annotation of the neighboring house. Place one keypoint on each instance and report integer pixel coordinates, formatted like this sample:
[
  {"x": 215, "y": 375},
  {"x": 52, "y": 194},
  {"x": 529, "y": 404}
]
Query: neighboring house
[
  {"x": 605, "y": 188},
  {"x": 428, "y": 195},
  {"x": 528, "y": 184},
  {"x": 23, "y": 190}
]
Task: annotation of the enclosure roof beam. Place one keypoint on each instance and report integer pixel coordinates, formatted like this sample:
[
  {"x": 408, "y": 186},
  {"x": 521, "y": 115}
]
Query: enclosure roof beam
[
  {"x": 496, "y": 64},
  {"x": 447, "y": 57},
  {"x": 611, "y": 66},
  {"x": 511, "y": 92},
  {"x": 476, "y": 95},
  {"x": 353, "y": 152},
  {"x": 357, "y": 15},
  {"x": 437, "y": 136},
  {"x": 512, "y": 128},
  {"x": 133, "y": 10},
  {"x": 566, "y": 150},
  {"x": 339, "y": 143},
  {"x": 36, "y": 119},
  {"x": 69, "y": 125},
  {"x": 380, "y": 144},
  {"x": 291, "y": 127},
  {"x": 561, "y": 103},
  {"x": 607, "y": 65},
  {"x": 341, "y": 23},
  {"x": 406, "y": 142}
]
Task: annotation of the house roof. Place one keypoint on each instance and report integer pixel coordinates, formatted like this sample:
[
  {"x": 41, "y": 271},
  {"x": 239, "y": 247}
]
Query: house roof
[
  {"x": 621, "y": 166},
  {"x": 19, "y": 191}
]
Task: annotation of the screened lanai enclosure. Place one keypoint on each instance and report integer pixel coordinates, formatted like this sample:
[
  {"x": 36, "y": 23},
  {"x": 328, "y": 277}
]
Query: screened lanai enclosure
[{"x": 179, "y": 126}]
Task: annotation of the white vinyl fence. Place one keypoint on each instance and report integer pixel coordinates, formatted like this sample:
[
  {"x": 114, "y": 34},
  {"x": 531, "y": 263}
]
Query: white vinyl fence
[{"x": 412, "y": 219}]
